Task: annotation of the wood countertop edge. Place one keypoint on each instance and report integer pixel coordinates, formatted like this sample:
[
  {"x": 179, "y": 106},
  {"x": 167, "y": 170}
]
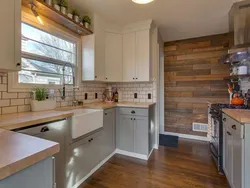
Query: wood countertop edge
[
  {"x": 236, "y": 118},
  {"x": 36, "y": 121},
  {"x": 21, "y": 164}
]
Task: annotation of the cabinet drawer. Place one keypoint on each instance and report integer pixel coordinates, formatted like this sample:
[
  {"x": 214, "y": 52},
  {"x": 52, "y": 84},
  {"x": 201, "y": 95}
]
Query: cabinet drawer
[{"x": 133, "y": 111}]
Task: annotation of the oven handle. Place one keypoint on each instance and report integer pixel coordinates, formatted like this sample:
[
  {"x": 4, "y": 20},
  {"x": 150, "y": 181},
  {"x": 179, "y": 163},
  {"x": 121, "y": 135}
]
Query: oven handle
[{"x": 212, "y": 148}]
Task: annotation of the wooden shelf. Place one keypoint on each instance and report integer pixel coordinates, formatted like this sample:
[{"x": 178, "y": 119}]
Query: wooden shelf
[{"x": 48, "y": 11}]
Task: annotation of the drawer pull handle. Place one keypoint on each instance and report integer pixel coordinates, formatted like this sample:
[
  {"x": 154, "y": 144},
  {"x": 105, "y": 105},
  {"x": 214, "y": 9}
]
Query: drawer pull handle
[
  {"x": 44, "y": 129},
  {"x": 229, "y": 133},
  {"x": 133, "y": 112},
  {"x": 234, "y": 127}
]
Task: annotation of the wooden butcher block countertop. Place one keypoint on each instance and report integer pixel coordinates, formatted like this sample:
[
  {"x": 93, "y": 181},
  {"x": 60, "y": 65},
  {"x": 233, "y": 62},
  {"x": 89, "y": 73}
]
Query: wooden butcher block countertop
[
  {"x": 19, "y": 151},
  {"x": 242, "y": 116},
  {"x": 103, "y": 105},
  {"x": 20, "y": 120}
]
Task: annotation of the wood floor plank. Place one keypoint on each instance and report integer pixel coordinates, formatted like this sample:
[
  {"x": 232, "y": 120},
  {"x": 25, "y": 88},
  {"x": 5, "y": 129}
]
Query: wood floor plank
[{"x": 188, "y": 166}]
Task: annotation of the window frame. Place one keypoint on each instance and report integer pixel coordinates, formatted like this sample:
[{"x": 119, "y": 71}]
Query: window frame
[{"x": 53, "y": 29}]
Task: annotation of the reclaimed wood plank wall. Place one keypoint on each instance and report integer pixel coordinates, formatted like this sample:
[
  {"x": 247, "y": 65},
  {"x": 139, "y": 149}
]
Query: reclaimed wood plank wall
[{"x": 193, "y": 76}]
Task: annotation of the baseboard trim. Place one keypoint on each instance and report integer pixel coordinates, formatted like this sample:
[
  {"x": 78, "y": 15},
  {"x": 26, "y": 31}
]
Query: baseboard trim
[
  {"x": 156, "y": 146},
  {"x": 131, "y": 154},
  {"x": 187, "y": 136},
  {"x": 94, "y": 170}
]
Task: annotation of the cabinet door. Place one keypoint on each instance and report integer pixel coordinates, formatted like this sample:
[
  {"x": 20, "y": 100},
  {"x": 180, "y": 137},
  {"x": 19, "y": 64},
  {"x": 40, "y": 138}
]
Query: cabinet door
[
  {"x": 129, "y": 57},
  {"x": 56, "y": 133},
  {"x": 143, "y": 55},
  {"x": 10, "y": 53},
  {"x": 237, "y": 156},
  {"x": 78, "y": 164},
  {"x": 108, "y": 135},
  {"x": 113, "y": 61},
  {"x": 99, "y": 54},
  {"x": 141, "y": 135},
  {"x": 125, "y": 133},
  {"x": 228, "y": 153}
]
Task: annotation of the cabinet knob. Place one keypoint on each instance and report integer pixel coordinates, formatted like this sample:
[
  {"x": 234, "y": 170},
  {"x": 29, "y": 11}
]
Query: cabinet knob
[
  {"x": 133, "y": 78},
  {"x": 234, "y": 127},
  {"x": 224, "y": 119},
  {"x": 133, "y": 112},
  {"x": 18, "y": 64},
  {"x": 136, "y": 78},
  {"x": 95, "y": 76},
  {"x": 106, "y": 78},
  {"x": 134, "y": 118},
  {"x": 106, "y": 114},
  {"x": 131, "y": 118}
]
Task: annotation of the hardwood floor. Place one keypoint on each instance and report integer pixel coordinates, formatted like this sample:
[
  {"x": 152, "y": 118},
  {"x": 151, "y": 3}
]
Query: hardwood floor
[{"x": 188, "y": 166}]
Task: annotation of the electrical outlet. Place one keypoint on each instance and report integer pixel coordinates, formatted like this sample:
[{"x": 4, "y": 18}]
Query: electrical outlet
[
  {"x": 135, "y": 96},
  {"x": 96, "y": 95},
  {"x": 149, "y": 96},
  {"x": 86, "y": 96}
]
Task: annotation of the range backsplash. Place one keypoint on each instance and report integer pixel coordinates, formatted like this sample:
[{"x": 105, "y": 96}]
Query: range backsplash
[{"x": 13, "y": 102}]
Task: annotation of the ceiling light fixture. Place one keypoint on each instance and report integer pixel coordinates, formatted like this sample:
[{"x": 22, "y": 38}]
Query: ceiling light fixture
[
  {"x": 33, "y": 9},
  {"x": 142, "y": 1}
]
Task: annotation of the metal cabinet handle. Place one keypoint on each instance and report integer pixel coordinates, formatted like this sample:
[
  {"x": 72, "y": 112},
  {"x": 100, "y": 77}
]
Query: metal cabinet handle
[
  {"x": 131, "y": 118},
  {"x": 44, "y": 129},
  {"x": 229, "y": 133},
  {"x": 18, "y": 64},
  {"x": 224, "y": 119},
  {"x": 133, "y": 112},
  {"x": 106, "y": 114},
  {"x": 134, "y": 118},
  {"x": 234, "y": 127},
  {"x": 90, "y": 140}
]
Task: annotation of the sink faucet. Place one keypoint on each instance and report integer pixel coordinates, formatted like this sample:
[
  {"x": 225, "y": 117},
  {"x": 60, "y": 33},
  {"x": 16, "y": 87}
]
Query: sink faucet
[{"x": 63, "y": 93}]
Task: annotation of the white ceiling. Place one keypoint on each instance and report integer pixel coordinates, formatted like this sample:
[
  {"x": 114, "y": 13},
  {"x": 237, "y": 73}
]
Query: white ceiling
[{"x": 176, "y": 19}]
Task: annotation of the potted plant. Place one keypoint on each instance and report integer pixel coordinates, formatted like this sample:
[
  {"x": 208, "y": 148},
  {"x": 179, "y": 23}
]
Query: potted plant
[
  {"x": 40, "y": 102},
  {"x": 49, "y": 2},
  {"x": 56, "y": 5},
  {"x": 64, "y": 6},
  {"x": 87, "y": 21},
  {"x": 76, "y": 15}
]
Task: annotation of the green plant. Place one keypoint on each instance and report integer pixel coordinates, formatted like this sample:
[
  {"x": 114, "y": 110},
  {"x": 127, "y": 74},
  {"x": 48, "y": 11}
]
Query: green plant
[
  {"x": 63, "y": 3},
  {"x": 86, "y": 19},
  {"x": 40, "y": 94},
  {"x": 75, "y": 12}
]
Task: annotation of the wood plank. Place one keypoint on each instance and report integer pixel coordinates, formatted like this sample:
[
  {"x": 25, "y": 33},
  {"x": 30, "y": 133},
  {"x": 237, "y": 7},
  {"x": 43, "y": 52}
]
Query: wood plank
[
  {"x": 194, "y": 72},
  {"x": 199, "y": 55}
]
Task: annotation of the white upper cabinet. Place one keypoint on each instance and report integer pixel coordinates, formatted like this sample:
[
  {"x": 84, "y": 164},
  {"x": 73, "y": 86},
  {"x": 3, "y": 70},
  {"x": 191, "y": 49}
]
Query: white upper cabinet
[
  {"x": 113, "y": 58},
  {"x": 143, "y": 61},
  {"x": 10, "y": 37},
  {"x": 93, "y": 54},
  {"x": 137, "y": 56},
  {"x": 129, "y": 57}
]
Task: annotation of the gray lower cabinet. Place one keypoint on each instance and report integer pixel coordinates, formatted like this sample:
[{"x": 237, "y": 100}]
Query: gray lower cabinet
[
  {"x": 141, "y": 135},
  {"x": 83, "y": 156},
  {"x": 86, "y": 153},
  {"x": 108, "y": 133},
  {"x": 236, "y": 144},
  {"x": 133, "y": 130},
  {"x": 39, "y": 175}
]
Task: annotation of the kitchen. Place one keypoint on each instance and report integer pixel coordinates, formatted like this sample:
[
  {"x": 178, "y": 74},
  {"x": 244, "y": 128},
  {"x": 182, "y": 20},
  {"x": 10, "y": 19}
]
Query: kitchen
[{"x": 91, "y": 98}]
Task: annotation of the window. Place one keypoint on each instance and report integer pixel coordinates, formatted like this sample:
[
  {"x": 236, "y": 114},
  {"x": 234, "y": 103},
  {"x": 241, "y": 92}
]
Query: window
[{"x": 43, "y": 57}]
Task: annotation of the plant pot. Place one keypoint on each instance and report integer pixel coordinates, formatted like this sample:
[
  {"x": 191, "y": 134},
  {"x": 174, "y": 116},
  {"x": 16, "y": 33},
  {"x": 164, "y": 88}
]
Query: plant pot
[
  {"x": 86, "y": 25},
  {"x": 64, "y": 10},
  {"x": 57, "y": 7},
  {"x": 76, "y": 18},
  {"x": 70, "y": 15},
  {"x": 42, "y": 105},
  {"x": 49, "y": 2}
]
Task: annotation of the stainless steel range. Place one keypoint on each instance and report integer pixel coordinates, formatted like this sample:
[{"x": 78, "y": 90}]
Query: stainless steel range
[{"x": 216, "y": 143}]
